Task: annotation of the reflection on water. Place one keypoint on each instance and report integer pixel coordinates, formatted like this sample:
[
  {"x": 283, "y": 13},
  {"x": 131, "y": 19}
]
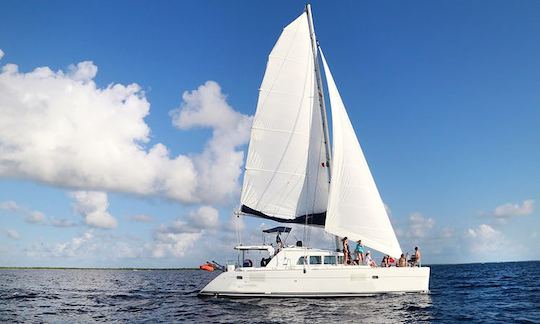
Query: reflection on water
[{"x": 503, "y": 292}]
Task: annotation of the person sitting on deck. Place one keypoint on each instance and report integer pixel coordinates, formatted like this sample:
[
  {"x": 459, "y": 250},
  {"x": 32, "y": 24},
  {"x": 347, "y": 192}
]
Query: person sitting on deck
[
  {"x": 368, "y": 261},
  {"x": 402, "y": 262},
  {"x": 359, "y": 250},
  {"x": 384, "y": 262},
  {"x": 346, "y": 254}
]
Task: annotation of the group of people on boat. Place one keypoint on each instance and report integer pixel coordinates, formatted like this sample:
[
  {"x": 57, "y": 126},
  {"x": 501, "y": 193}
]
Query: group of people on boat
[{"x": 364, "y": 258}]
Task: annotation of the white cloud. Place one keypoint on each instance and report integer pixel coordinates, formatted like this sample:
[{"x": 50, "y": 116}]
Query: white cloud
[
  {"x": 419, "y": 226},
  {"x": 173, "y": 244},
  {"x": 205, "y": 217},
  {"x": 30, "y": 216},
  {"x": 92, "y": 205},
  {"x": 59, "y": 128},
  {"x": 179, "y": 237},
  {"x": 1, "y": 53},
  {"x": 11, "y": 233},
  {"x": 142, "y": 218},
  {"x": 510, "y": 210},
  {"x": 484, "y": 238},
  {"x": 220, "y": 164},
  {"x": 70, "y": 248}
]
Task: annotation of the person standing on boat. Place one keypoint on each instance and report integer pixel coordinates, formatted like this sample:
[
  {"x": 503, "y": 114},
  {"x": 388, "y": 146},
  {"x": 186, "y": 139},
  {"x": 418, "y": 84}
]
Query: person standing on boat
[
  {"x": 346, "y": 254},
  {"x": 417, "y": 256},
  {"x": 359, "y": 250},
  {"x": 279, "y": 243}
]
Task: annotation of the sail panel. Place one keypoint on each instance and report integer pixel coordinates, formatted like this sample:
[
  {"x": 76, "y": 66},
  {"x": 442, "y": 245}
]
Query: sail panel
[
  {"x": 355, "y": 208},
  {"x": 279, "y": 181}
]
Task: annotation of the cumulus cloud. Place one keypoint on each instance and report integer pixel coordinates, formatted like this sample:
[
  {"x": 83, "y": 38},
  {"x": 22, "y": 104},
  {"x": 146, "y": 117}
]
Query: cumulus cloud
[
  {"x": 92, "y": 205},
  {"x": 220, "y": 164},
  {"x": 511, "y": 210},
  {"x": 1, "y": 53},
  {"x": 61, "y": 129},
  {"x": 419, "y": 226},
  {"x": 205, "y": 217},
  {"x": 71, "y": 248},
  {"x": 88, "y": 245},
  {"x": 143, "y": 218},
  {"x": 177, "y": 238},
  {"x": 11, "y": 233},
  {"x": 29, "y": 215},
  {"x": 484, "y": 238}
]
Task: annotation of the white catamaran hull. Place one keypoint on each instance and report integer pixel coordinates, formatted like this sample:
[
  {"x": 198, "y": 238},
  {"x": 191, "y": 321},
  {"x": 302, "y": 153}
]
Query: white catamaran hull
[{"x": 334, "y": 281}]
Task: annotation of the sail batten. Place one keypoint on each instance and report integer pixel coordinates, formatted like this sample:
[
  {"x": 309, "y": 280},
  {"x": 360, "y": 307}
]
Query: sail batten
[{"x": 355, "y": 208}]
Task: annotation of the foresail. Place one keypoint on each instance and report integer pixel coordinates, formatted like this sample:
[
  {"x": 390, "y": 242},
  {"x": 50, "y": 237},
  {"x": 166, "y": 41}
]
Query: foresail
[
  {"x": 355, "y": 208},
  {"x": 283, "y": 167}
]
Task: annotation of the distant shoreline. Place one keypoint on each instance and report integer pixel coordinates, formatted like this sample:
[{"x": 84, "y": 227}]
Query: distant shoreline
[{"x": 75, "y": 268}]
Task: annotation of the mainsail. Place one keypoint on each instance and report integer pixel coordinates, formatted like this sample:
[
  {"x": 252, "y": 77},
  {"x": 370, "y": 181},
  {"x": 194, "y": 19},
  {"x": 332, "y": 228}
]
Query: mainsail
[
  {"x": 284, "y": 178},
  {"x": 286, "y": 175},
  {"x": 355, "y": 208}
]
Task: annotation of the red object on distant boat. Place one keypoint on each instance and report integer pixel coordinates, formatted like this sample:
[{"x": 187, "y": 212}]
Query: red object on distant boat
[{"x": 207, "y": 267}]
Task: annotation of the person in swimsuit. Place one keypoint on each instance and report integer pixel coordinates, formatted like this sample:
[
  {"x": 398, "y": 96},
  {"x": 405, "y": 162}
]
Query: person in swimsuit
[
  {"x": 346, "y": 255},
  {"x": 359, "y": 250}
]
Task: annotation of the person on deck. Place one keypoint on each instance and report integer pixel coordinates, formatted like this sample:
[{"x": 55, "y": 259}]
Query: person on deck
[
  {"x": 279, "y": 243},
  {"x": 417, "y": 257},
  {"x": 368, "y": 261},
  {"x": 402, "y": 262},
  {"x": 385, "y": 263},
  {"x": 346, "y": 255},
  {"x": 359, "y": 250}
]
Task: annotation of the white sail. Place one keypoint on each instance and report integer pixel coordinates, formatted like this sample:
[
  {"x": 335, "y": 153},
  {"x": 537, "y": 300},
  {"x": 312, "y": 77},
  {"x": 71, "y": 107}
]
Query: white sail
[
  {"x": 283, "y": 164},
  {"x": 355, "y": 208}
]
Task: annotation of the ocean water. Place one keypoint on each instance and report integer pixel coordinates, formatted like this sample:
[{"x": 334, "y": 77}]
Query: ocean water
[{"x": 483, "y": 293}]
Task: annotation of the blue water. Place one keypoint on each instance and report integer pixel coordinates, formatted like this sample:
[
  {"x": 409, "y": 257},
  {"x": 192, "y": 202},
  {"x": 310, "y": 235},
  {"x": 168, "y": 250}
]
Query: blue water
[{"x": 495, "y": 292}]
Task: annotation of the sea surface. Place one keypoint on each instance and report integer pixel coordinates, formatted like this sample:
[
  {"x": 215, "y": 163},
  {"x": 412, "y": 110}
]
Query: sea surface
[{"x": 483, "y": 293}]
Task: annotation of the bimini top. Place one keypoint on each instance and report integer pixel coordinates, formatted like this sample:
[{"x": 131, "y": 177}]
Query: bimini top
[{"x": 279, "y": 229}]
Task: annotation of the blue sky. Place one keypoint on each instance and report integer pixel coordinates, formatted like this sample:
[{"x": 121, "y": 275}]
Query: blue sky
[{"x": 444, "y": 97}]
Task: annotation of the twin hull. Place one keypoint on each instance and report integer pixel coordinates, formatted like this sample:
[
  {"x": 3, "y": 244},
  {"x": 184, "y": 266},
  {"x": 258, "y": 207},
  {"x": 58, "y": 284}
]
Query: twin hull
[{"x": 322, "y": 282}]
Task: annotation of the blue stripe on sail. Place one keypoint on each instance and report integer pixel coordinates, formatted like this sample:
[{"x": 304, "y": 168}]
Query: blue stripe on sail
[{"x": 317, "y": 219}]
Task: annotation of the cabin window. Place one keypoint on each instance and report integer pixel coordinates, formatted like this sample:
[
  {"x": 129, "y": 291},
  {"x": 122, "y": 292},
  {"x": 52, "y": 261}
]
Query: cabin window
[
  {"x": 315, "y": 259},
  {"x": 301, "y": 260},
  {"x": 329, "y": 259},
  {"x": 340, "y": 259}
]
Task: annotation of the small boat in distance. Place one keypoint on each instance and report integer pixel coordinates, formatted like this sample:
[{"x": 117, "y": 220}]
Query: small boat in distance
[{"x": 291, "y": 177}]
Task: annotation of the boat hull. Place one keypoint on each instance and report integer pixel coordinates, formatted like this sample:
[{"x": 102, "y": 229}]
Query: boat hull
[{"x": 329, "y": 282}]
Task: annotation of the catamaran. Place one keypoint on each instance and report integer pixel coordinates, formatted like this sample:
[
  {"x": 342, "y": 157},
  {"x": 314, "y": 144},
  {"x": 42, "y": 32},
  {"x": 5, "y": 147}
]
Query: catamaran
[{"x": 292, "y": 176}]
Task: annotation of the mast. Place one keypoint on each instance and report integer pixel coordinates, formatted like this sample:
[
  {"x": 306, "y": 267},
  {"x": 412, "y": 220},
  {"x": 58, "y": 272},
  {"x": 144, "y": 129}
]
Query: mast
[{"x": 320, "y": 93}]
